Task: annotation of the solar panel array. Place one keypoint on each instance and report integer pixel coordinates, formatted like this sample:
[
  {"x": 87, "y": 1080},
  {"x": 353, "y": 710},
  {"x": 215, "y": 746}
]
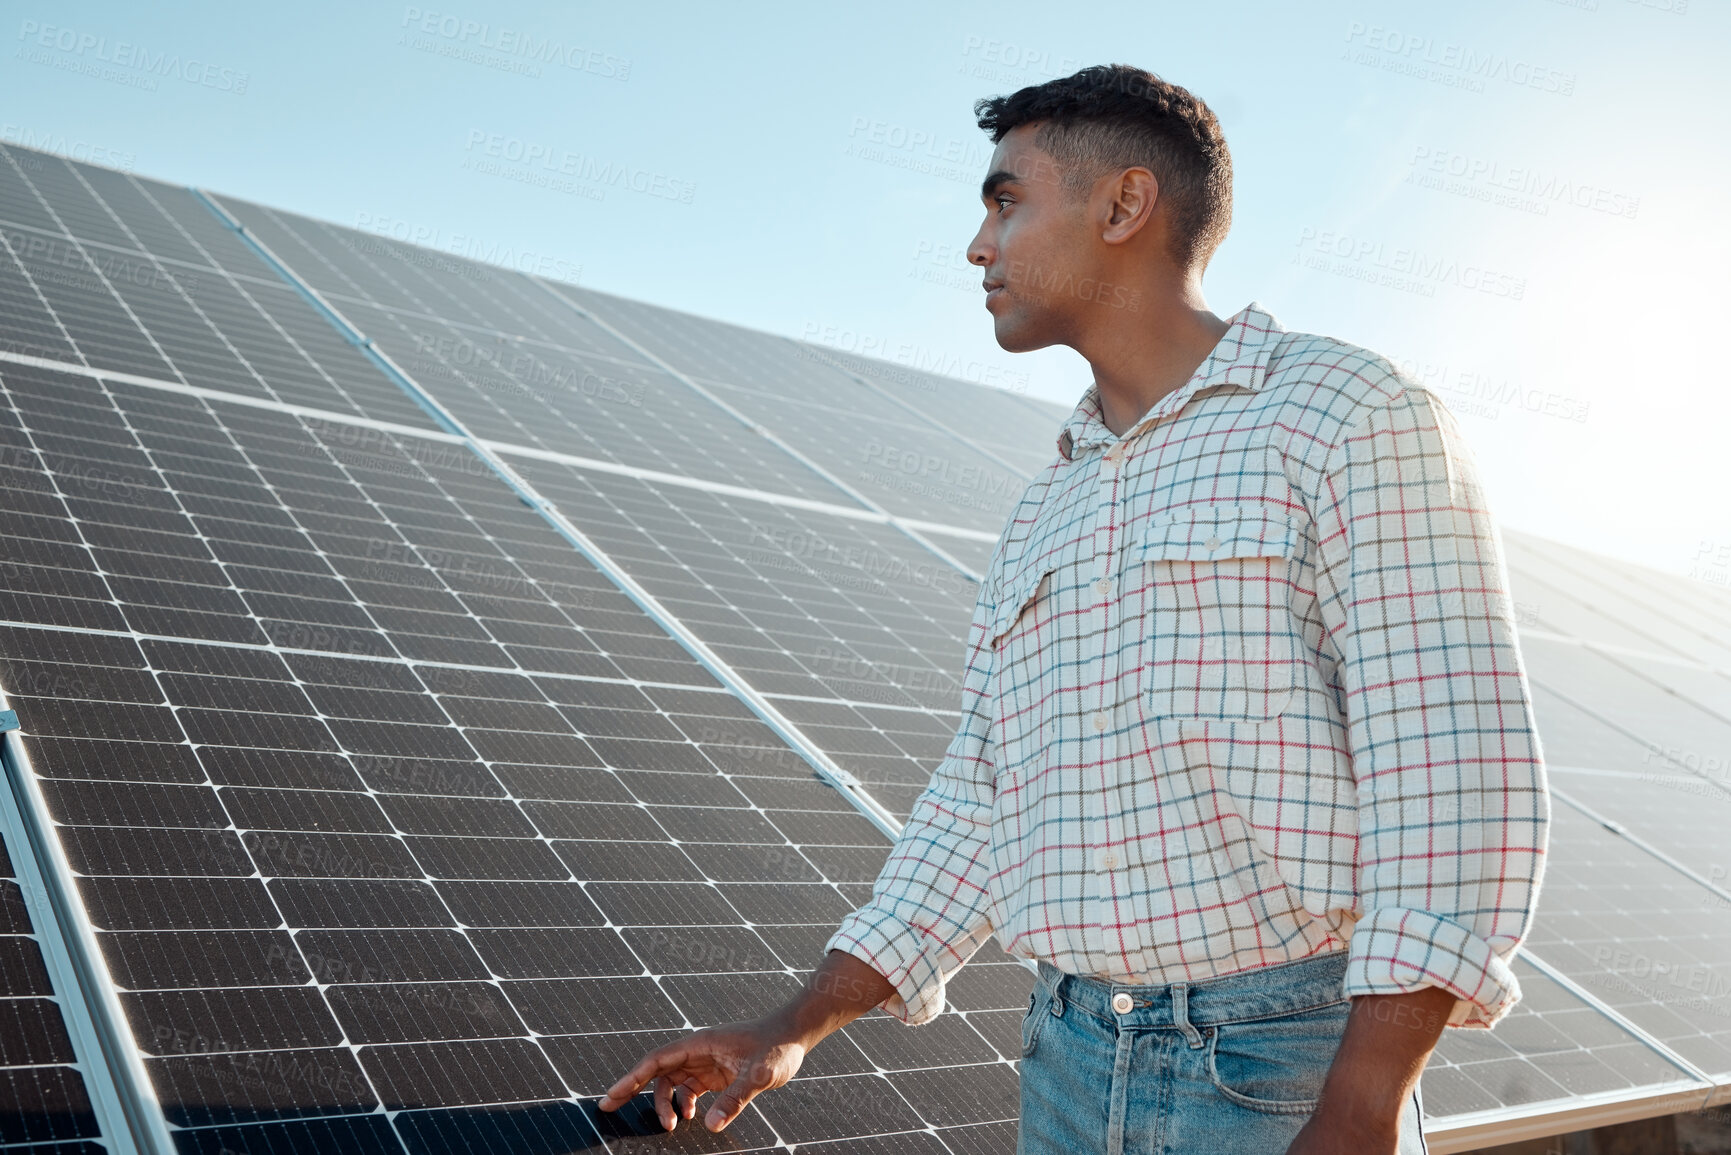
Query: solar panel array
[
  {"x": 409, "y": 799},
  {"x": 44, "y": 1102}
]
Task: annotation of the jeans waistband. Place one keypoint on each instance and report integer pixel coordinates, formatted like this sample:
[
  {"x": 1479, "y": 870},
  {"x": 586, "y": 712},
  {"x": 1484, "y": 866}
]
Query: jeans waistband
[{"x": 1259, "y": 993}]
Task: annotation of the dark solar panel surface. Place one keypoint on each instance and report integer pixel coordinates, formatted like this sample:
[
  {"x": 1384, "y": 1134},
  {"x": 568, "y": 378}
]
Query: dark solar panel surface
[
  {"x": 853, "y": 630},
  {"x": 1640, "y": 936},
  {"x": 439, "y": 822},
  {"x": 911, "y": 466},
  {"x": 113, "y": 272},
  {"x": 1681, "y": 815},
  {"x": 43, "y": 1097},
  {"x": 1552, "y": 1047},
  {"x": 402, "y": 826},
  {"x": 1671, "y": 616},
  {"x": 1020, "y": 431},
  {"x": 518, "y": 365}
]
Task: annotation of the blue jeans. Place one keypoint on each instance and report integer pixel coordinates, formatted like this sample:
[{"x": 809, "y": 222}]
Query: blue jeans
[{"x": 1226, "y": 1066}]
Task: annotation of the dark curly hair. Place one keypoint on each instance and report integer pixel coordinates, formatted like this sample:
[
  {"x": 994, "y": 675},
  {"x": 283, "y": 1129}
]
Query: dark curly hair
[{"x": 1113, "y": 116}]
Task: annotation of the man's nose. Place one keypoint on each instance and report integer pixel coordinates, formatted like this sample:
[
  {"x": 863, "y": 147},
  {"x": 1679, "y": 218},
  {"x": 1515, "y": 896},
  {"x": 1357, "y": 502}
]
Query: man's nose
[{"x": 979, "y": 253}]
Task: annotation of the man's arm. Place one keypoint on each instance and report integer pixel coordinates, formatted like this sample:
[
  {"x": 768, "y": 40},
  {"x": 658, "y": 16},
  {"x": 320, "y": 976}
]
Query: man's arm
[
  {"x": 927, "y": 914},
  {"x": 1387, "y": 1040},
  {"x": 1452, "y": 805},
  {"x": 740, "y": 1060}
]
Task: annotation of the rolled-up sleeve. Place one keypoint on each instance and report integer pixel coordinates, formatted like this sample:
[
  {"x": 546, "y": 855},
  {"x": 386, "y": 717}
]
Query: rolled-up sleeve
[
  {"x": 1453, "y": 812},
  {"x": 928, "y": 910}
]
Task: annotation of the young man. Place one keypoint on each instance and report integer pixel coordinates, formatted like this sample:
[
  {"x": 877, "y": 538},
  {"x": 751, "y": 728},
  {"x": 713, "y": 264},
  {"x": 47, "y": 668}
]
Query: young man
[{"x": 1247, "y": 759}]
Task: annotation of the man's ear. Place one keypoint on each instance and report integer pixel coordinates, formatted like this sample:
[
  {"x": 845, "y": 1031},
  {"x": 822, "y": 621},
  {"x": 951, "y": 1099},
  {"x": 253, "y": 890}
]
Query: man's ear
[{"x": 1128, "y": 204}]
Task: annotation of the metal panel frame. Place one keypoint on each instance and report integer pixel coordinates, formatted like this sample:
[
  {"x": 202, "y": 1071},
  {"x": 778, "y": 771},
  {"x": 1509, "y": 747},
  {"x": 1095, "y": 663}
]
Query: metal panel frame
[
  {"x": 763, "y": 431},
  {"x": 1513, "y": 1124},
  {"x": 125, "y": 1102},
  {"x": 846, "y": 783}
]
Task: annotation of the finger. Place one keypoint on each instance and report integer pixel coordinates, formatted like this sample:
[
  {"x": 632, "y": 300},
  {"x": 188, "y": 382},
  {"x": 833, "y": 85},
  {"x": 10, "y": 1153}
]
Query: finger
[
  {"x": 732, "y": 1101},
  {"x": 686, "y": 1097},
  {"x": 664, "y": 1102},
  {"x": 656, "y": 1062}
]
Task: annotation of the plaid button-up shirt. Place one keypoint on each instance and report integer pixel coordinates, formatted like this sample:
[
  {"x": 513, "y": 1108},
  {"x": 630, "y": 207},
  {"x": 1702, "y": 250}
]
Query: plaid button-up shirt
[{"x": 1242, "y": 688}]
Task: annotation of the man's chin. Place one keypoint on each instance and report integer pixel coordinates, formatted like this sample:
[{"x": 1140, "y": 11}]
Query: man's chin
[{"x": 1017, "y": 338}]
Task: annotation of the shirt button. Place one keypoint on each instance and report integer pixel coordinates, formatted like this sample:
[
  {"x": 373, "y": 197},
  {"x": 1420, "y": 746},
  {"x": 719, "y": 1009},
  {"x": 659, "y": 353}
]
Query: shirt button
[
  {"x": 1103, "y": 586},
  {"x": 1213, "y": 543},
  {"x": 1122, "y": 1003},
  {"x": 1107, "y": 860},
  {"x": 1101, "y": 720}
]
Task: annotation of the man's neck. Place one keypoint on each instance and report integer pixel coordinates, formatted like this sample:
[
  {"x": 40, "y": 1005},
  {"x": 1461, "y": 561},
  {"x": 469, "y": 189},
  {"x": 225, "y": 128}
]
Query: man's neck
[{"x": 1137, "y": 363}]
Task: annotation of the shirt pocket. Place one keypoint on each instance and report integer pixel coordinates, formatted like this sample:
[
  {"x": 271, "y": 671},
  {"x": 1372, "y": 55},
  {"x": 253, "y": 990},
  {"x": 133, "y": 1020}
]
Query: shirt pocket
[
  {"x": 1219, "y": 639},
  {"x": 1023, "y": 630}
]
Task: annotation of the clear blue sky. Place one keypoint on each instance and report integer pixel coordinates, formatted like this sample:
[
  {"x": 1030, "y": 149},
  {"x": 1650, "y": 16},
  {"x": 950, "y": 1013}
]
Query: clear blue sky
[{"x": 1524, "y": 199}]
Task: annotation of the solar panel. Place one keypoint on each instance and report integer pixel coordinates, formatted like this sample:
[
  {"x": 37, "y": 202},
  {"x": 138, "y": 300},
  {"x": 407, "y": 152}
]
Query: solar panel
[
  {"x": 1639, "y": 936},
  {"x": 418, "y": 771},
  {"x": 1672, "y": 729},
  {"x": 326, "y": 830},
  {"x": 1013, "y": 427},
  {"x": 43, "y": 1095},
  {"x": 1552, "y": 1048},
  {"x": 904, "y": 462},
  {"x": 119, "y": 282},
  {"x": 1673, "y": 615},
  {"x": 518, "y": 366}
]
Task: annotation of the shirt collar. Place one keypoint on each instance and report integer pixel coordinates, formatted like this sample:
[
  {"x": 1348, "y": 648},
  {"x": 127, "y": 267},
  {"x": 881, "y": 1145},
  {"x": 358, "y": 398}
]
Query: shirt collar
[{"x": 1240, "y": 359}]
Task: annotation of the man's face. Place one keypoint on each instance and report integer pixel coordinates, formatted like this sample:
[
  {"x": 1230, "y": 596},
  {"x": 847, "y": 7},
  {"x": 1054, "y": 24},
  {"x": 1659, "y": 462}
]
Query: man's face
[{"x": 1034, "y": 247}]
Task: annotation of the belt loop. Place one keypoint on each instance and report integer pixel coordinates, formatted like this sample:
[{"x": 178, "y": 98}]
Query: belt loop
[{"x": 1181, "y": 1014}]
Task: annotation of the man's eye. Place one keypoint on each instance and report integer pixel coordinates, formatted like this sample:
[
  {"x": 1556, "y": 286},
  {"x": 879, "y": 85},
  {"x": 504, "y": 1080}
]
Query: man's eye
[{"x": 1000, "y": 201}]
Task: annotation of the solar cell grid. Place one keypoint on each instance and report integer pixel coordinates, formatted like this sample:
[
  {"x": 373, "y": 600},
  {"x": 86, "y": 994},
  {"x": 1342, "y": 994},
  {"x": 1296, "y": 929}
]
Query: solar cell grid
[
  {"x": 143, "y": 295},
  {"x": 996, "y": 415},
  {"x": 1679, "y": 815},
  {"x": 1640, "y": 937},
  {"x": 1551, "y": 1048},
  {"x": 912, "y": 468},
  {"x": 43, "y": 1096},
  {"x": 1692, "y": 615},
  {"x": 515, "y": 365},
  {"x": 1673, "y": 730},
  {"x": 802, "y": 606},
  {"x": 269, "y": 818},
  {"x": 385, "y": 798}
]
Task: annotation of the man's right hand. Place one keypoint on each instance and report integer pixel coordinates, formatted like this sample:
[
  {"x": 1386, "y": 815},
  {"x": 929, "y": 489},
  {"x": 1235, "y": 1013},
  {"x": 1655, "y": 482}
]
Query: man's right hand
[{"x": 740, "y": 1060}]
